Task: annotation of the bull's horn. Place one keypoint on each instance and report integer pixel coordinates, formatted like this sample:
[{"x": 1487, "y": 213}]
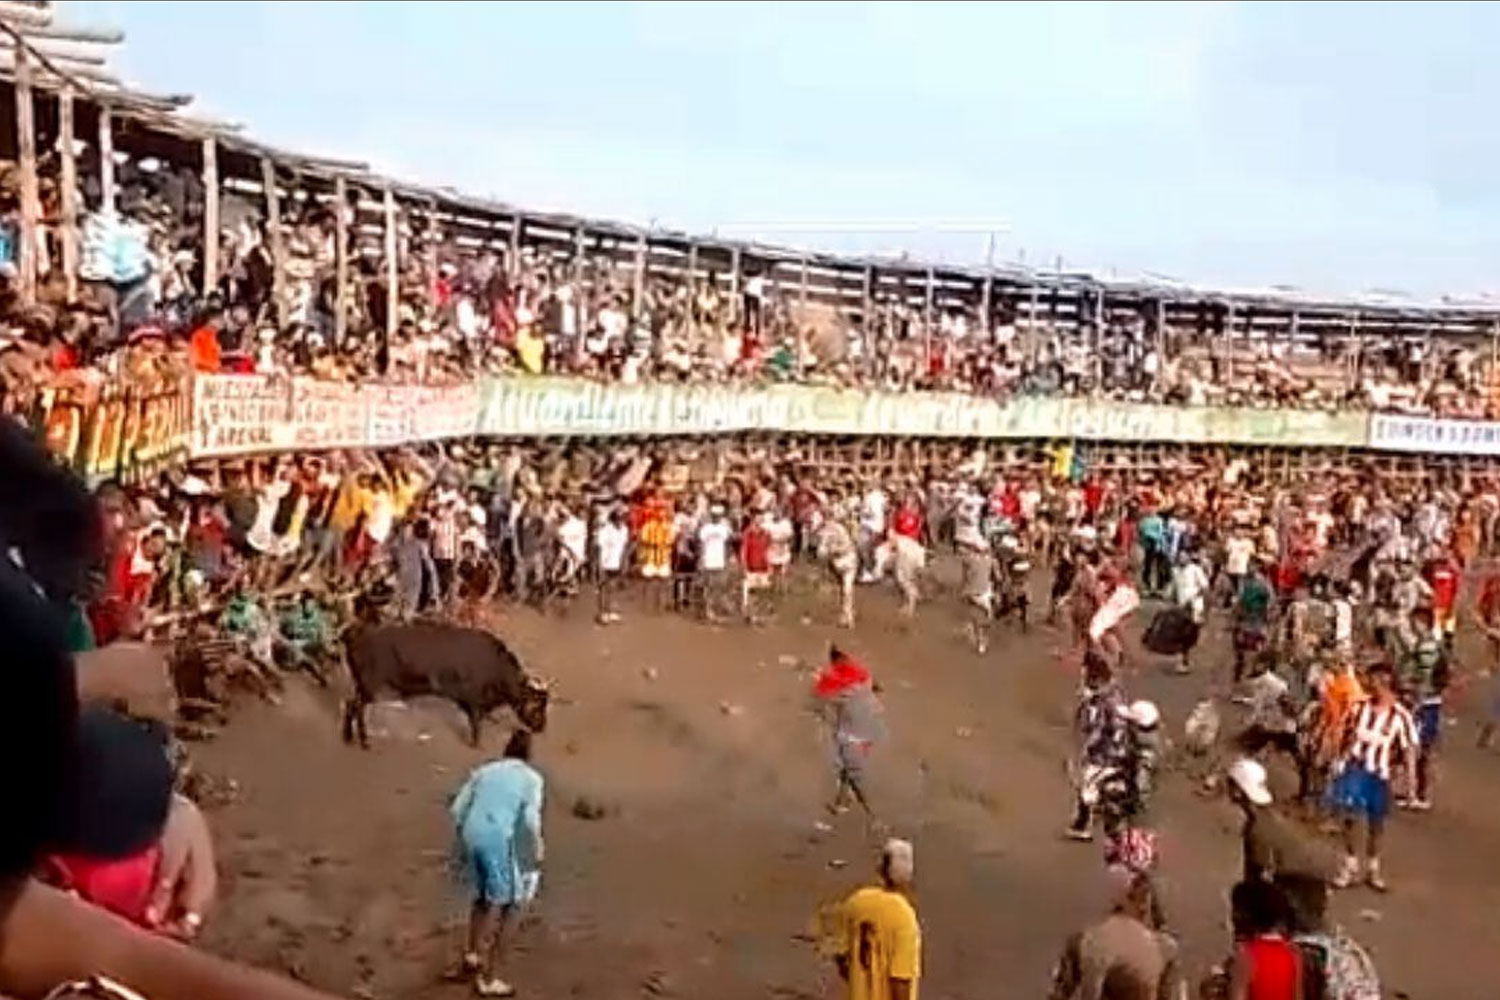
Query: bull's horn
[{"x": 538, "y": 683}]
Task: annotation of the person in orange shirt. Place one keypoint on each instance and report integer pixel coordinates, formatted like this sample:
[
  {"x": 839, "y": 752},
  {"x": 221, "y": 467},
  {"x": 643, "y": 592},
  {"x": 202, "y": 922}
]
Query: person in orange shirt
[
  {"x": 203, "y": 345},
  {"x": 1341, "y": 692},
  {"x": 653, "y": 530}
]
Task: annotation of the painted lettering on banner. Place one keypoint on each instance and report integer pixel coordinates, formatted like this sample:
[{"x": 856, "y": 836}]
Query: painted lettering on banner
[
  {"x": 241, "y": 414},
  {"x": 326, "y": 414},
  {"x": 1392, "y": 432}
]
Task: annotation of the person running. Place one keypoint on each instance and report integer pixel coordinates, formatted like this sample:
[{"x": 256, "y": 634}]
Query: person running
[
  {"x": 1381, "y": 731},
  {"x": 1252, "y": 619},
  {"x": 1103, "y": 739},
  {"x": 846, "y": 695},
  {"x": 1487, "y": 617},
  {"x": 978, "y": 563},
  {"x": 877, "y": 945},
  {"x": 1190, "y": 588},
  {"x": 1280, "y": 850},
  {"x": 1424, "y": 673},
  {"x": 497, "y": 820}
]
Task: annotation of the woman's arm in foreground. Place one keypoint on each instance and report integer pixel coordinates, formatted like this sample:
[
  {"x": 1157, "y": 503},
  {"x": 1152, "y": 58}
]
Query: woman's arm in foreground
[{"x": 49, "y": 937}]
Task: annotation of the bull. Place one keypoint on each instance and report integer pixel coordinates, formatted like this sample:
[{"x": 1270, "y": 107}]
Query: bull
[{"x": 468, "y": 666}]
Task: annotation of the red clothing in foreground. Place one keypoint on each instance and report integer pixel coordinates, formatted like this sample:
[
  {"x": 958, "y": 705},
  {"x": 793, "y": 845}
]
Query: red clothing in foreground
[
  {"x": 908, "y": 523},
  {"x": 122, "y": 886},
  {"x": 1275, "y": 967}
]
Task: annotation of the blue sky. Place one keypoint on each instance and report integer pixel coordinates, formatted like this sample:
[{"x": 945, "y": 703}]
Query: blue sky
[{"x": 1336, "y": 148}]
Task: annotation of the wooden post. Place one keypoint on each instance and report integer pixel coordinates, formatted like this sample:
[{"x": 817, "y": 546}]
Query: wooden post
[
  {"x": 1494, "y": 360},
  {"x": 26, "y": 251},
  {"x": 1161, "y": 333},
  {"x": 1359, "y": 348},
  {"x": 987, "y": 305},
  {"x": 1098, "y": 345},
  {"x": 106, "y": 161},
  {"x": 273, "y": 234},
  {"x": 692, "y": 284},
  {"x": 928, "y": 301},
  {"x": 393, "y": 264},
  {"x": 1229, "y": 343},
  {"x": 430, "y": 248},
  {"x": 1031, "y": 323},
  {"x": 210, "y": 214},
  {"x": 638, "y": 279},
  {"x": 735, "y": 263},
  {"x": 513, "y": 265},
  {"x": 340, "y": 260},
  {"x": 802, "y": 318},
  {"x": 867, "y": 301},
  {"x": 69, "y": 194}
]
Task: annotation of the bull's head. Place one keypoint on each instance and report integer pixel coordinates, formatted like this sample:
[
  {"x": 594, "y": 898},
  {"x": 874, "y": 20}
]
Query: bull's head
[{"x": 532, "y": 706}]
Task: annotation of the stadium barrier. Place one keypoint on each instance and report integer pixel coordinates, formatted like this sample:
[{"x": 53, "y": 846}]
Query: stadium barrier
[{"x": 130, "y": 434}]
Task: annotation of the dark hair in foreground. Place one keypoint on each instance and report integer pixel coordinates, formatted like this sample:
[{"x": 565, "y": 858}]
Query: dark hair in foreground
[
  {"x": 51, "y": 538},
  {"x": 48, "y": 515},
  {"x": 1258, "y": 907}
]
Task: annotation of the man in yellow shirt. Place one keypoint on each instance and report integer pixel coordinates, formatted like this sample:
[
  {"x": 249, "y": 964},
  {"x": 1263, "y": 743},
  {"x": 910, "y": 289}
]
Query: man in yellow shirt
[{"x": 879, "y": 951}]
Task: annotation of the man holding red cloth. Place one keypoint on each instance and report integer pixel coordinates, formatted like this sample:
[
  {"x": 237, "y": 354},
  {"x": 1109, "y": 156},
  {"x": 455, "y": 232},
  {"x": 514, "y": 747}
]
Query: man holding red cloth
[{"x": 846, "y": 695}]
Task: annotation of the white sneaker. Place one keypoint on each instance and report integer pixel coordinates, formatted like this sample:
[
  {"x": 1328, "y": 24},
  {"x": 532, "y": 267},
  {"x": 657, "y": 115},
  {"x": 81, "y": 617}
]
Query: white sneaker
[
  {"x": 1348, "y": 872},
  {"x": 494, "y": 987}
]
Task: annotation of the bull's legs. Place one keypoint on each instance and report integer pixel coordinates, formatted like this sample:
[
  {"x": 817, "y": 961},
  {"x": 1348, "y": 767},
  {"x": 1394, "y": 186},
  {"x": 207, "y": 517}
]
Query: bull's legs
[
  {"x": 475, "y": 718},
  {"x": 354, "y": 721}
]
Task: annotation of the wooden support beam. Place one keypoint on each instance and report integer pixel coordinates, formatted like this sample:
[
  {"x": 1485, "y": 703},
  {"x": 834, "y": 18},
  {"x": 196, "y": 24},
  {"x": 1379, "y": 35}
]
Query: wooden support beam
[
  {"x": 638, "y": 279},
  {"x": 106, "y": 161},
  {"x": 867, "y": 301},
  {"x": 211, "y": 237},
  {"x": 68, "y": 201},
  {"x": 513, "y": 264},
  {"x": 340, "y": 260},
  {"x": 273, "y": 235},
  {"x": 927, "y": 314},
  {"x": 736, "y": 261},
  {"x": 802, "y": 319},
  {"x": 393, "y": 264},
  {"x": 26, "y": 257},
  {"x": 692, "y": 306}
]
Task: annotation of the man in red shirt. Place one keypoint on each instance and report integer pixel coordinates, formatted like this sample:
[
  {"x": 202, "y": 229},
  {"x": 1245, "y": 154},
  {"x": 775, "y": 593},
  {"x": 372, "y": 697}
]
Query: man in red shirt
[
  {"x": 132, "y": 576},
  {"x": 1443, "y": 575},
  {"x": 755, "y": 563},
  {"x": 908, "y": 520}
]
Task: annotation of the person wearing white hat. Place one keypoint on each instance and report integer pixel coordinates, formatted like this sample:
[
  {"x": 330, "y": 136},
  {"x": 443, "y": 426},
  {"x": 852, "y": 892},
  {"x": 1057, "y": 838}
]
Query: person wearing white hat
[
  {"x": 878, "y": 941},
  {"x": 1278, "y": 849}
]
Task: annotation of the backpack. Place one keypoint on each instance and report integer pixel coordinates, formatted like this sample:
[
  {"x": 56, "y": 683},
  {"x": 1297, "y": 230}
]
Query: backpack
[{"x": 1343, "y": 968}]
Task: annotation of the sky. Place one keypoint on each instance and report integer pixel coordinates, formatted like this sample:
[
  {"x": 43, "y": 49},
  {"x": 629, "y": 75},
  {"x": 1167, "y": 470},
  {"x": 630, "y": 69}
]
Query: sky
[{"x": 1337, "y": 148}]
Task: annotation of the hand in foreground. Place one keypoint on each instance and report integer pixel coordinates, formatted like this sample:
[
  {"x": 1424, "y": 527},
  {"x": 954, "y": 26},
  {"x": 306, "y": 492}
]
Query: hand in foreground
[{"x": 187, "y": 879}]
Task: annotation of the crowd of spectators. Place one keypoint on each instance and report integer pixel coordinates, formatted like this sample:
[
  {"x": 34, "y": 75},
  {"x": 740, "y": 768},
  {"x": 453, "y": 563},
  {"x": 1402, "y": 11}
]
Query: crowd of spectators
[{"x": 141, "y": 312}]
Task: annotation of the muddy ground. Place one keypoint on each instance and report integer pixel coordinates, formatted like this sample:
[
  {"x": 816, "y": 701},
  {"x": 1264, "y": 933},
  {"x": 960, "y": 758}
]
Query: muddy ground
[{"x": 702, "y": 878}]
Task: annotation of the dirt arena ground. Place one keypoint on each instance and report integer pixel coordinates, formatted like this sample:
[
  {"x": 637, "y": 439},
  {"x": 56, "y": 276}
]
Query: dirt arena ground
[{"x": 703, "y": 877}]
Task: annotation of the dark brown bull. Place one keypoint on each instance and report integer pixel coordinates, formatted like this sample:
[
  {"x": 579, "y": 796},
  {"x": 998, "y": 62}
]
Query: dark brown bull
[{"x": 468, "y": 666}]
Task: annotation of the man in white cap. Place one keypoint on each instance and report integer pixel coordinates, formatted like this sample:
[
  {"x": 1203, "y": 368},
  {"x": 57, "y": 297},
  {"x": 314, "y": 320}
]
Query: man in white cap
[
  {"x": 878, "y": 946},
  {"x": 1280, "y": 850}
]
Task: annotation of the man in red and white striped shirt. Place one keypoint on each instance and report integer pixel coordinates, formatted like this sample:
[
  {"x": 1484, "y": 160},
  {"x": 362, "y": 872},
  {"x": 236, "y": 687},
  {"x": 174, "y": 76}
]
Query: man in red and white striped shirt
[{"x": 1382, "y": 735}]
